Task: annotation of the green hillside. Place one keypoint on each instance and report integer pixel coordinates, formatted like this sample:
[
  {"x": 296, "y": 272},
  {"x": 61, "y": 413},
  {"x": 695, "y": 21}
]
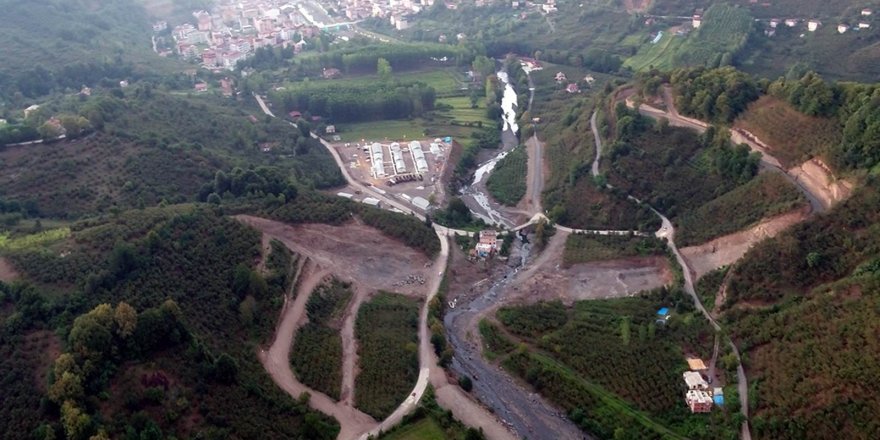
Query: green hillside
[
  {"x": 146, "y": 146},
  {"x": 52, "y": 45},
  {"x": 725, "y": 32}
]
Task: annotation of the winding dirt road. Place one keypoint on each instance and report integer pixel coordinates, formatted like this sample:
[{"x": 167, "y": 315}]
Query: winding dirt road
[{"x": 667, "y": 231}]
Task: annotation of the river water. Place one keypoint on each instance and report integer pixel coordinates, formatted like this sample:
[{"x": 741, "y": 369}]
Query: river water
[{"x": 474, "y": 196}]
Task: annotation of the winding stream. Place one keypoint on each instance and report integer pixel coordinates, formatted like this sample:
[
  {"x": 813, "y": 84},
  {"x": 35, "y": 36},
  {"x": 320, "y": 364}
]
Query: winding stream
[{"x": 474, "y": 194}]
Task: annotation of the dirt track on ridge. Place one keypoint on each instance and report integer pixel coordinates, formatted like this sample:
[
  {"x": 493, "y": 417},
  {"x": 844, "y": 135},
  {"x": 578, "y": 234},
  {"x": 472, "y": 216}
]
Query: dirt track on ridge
[{"x": 726, "y": 250}]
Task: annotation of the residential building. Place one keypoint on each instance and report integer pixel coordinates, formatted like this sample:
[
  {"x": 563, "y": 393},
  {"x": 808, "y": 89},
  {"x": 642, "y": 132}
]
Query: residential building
[
  {"x": 863, "y": 25},
  {"x": 699, "y": 401},
  {"x": 488, "y": 243},
  {"x": 842, "y": 28},
  {"x": 696, "y": 364},
  {"x": 560, "y": 77},
  {"x": 330, "y": 129},
  {"x": 791, "y": 22},
  {"x": 573, "y": 88},
  {"x": 866, "y": 12},
  {"x": 813, "y": 25},
  {"x": 695, "y": 381}
]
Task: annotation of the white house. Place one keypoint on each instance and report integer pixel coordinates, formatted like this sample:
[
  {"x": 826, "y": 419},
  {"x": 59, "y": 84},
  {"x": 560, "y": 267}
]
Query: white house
[
  {"x": 791, "y": 22},
  {"x": 695, "y": 381},
  {"x": 842, "y": 28},
  {"x": 697, "y": 21},
  {"x": 864, "y": 25},
  {"x": 812, "y": 25},
  {"x": 866, "y": 12}
]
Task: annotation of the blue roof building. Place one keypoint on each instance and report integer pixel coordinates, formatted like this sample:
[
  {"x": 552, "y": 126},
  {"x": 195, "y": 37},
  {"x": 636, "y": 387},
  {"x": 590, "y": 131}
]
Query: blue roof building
[
  {"x": 718, "y": 399},
  {"x": 664, "y": 312}
]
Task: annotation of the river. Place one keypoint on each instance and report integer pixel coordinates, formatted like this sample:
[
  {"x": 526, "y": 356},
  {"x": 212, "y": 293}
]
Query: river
[
  {"x": 474, "y": 195},
  {"x": 522, "y": 410}
]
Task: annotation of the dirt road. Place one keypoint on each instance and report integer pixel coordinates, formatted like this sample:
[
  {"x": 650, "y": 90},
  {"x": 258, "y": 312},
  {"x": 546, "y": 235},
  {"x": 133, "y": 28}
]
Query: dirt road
[
  {"x": 350, "y": 346},
  {"x": 726, "y": 250},
  {"x": 276, "y": 360},
  {"x": 667, "y": 231},
  {"x": 534, "y": 176}
]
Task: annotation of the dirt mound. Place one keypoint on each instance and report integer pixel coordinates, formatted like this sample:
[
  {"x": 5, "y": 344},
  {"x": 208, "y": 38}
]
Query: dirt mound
[{"x": 728, "y": 249}]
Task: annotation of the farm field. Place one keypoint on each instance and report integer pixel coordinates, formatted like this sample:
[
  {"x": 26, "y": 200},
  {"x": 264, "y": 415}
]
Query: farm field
[
  {"x": 632, "y": 379},
  {"x": 507, "y": 183},
  {"x": 793, "y": 136},
  {"x": 657, "y": 56},
  {"x": 317, "y": 350},
  {"x": 716, "y": 42},
  {"x": 764, "y": 196},
  {"x": 387, "y": 334},
  {"x": 583, "y": 248}
]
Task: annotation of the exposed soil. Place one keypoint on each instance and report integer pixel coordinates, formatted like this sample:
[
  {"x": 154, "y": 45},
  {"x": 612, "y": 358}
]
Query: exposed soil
[
  {"x": 7, "y": 271},
  {"x": 354, "y": 252},
  {"x": 728, "y": 249},
  {"x": 820, "y": 181}
]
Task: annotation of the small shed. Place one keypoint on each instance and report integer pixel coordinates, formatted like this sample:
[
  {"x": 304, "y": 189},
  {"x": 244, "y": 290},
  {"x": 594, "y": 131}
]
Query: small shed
[{"x": 696, "y": 364}]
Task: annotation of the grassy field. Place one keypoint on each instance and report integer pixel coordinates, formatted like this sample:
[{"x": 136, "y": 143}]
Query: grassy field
[
  {"x": 425, "y": 429},
  {"x": 583, "y": 248},
  {"x": 764, "y": 196},
  {"x": 444, "y": 81},
  {"x": 317, "y": 350},
  {"x": 794, "y": 136},
  {"x": 382, "y": 131},
  {"x": 724, "y": 30},
  {"x": 657, "y": 56},
  {"x": 387, "y": 333},
  {"x": 462, "y": 111},
  {"x": 507, "y": 183}
]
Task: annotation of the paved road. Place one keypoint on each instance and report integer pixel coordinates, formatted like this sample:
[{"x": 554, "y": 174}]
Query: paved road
[{"x": 667, "y": 230}]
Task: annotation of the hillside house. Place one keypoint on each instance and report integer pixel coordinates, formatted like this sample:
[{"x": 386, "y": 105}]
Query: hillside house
[
  {"x": 331, "y": 73},
  {"x": 697, "y": 21},
  {"x": 866, "y": 12},
  {"x": 699, "y": 401},
  {"x": 488, "y": 243},
  {"x": 791, "y": 22},
  {"x": 573, "y": 88},
  {"x": 330, "y": 129},
  {"x": 695, "y": 381},
  {"x": 560, "y": 77},
  {"x": 813, "y": 25},
  {"x": 295, "y": 115},
  {"x": 201, "y": 87},
  {"x": 842, "y": 28},
  {"x": 774, "y": 23},
  {"x": 864, "y": 25}
]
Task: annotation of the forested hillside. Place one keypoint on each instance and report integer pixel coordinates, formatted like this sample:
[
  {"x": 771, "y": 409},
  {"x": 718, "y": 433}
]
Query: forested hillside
[
  {"x": 144, "y": 146},
  {"x": 171, "y": 351},
  {"x": 52, "y": 45}
]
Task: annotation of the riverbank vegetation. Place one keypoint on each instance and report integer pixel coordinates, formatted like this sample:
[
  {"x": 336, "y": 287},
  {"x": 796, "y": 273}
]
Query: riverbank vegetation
[
  {"x": 387, "y": 334},
  {"x": 507, "y": 183}
]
